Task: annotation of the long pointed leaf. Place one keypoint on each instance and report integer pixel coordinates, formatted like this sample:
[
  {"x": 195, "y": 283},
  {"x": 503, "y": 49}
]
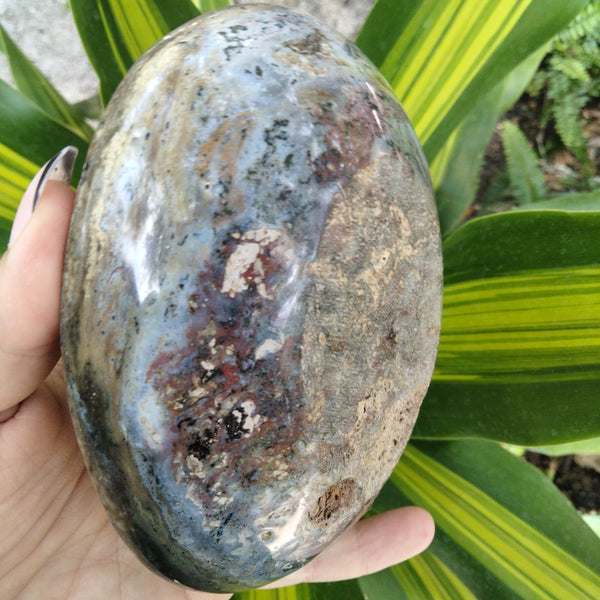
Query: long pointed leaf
[
  {"x": 208, "y": 5},
  {"x": 116, "y": 32},
  {"x": 4, "y": 234},
  {"x": 15, "y": 174},
  {"x": 456, "y": 169},
  {"x": 591, "y": 446},
  {"x": 584, "y": 201},
  {"x": 34, "y": 86},
  {"x": 519, "y": 356},
  {"x": 526, "y": 559},
  {"x": 346, "y": 590},
  {"x": 27, "y": 132},
  {"x": 28, "y": 138},
  {"x": 525, "y": 174},
  {"x": 424, "y": 576},
  {"x": 440, "y": 57},
  {"x": 508, "y": 481}
]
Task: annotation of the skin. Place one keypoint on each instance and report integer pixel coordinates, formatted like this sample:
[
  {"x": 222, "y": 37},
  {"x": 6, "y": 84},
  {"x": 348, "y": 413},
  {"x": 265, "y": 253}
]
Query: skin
[{"x": 57, "y": 541}]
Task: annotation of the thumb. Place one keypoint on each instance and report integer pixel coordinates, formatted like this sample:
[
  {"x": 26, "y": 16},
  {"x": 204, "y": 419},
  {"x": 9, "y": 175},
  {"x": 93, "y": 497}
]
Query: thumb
[{"x": 30, "y": 282}]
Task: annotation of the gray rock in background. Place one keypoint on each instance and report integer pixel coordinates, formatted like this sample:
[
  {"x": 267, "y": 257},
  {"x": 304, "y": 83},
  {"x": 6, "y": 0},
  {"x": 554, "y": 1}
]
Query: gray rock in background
[{"x": 45, "y": 31}]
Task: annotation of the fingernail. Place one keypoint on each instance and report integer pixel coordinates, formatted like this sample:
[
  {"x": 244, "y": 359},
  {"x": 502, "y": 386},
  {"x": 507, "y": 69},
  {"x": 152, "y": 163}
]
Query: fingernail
[{"x": 58, "y": 168}]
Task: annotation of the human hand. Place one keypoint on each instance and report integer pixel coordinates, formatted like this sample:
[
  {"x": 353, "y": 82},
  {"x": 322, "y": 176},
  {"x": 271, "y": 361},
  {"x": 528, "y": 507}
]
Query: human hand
[{"x": 57, "y": 541}]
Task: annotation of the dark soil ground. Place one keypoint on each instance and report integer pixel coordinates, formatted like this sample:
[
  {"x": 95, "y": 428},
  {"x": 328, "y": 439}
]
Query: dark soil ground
[
  {"x": 581, "y": 485},
  {"x": 563, "y": 173}
]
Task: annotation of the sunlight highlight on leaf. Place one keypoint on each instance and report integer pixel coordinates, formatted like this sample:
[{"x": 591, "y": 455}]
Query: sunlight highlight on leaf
[
  {"x": 426, "y": 576},
  {"x": 526, "y": 327},
  {"x": 138, "y": 24},
  {"x": 526, "y": 560},
  {"x": 297, "y": 592},
  {"x": 128, "y": 28},
  {"x": 15, "y": 174},
  {"x": 440, "y": 57},
  {"x": 462, "y": 27}
]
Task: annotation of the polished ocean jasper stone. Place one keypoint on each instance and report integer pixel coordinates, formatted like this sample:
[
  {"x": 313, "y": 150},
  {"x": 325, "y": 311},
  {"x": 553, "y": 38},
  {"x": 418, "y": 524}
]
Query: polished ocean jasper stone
[{"x": 252, "y": 296}]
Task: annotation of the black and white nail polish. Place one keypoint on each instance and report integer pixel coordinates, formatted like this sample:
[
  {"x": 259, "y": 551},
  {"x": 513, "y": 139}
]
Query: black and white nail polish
[{"x": 58, "y": 168}]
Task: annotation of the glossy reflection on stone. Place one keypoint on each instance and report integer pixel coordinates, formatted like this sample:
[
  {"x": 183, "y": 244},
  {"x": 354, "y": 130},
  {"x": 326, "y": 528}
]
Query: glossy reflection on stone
[{"x": 252, "y": 296}]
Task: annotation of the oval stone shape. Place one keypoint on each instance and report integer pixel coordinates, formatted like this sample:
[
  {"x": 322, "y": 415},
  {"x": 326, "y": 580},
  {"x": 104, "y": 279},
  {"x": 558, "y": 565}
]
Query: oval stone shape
[{"x": 252, "y": 296}]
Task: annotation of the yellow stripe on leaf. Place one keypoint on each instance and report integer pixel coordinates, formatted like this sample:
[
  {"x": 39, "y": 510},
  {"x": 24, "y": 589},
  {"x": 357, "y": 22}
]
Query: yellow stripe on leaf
[
  {"x": 527, "y": 561},
  {"x": 139, "y": 25},
  {"x": 544, "y": 325},
  {"x": 426, "y": 576},
  {"x": 15, "y": 174},
  {"x": 437, "y": 68}
]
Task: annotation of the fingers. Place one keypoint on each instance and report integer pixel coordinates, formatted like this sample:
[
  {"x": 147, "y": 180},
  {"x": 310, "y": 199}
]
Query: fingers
[
  {"x": 371, "y": 545},
  {"x": 30, "y": 281}
]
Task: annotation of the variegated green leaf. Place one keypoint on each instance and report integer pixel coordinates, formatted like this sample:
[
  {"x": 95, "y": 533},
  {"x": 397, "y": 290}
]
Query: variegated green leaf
[
  {"x": 346, "y": 590},
  {"x": 519, "y": 355},
  {"x": 15, "y": 174},
  {"x": 297, "y": 592},
  {"x": 506, "y": 480},
  {"x": 28, "y": 138},
  {"x": 523, "y": 556},
  {"x": 441, "y": 57},
  {"x": 207, "y": 5},
  {"x": 456, "y": 169},
  {"x": 34, "y": 86},
  {"x": 424, "y": 576},
  {"x": 116, "y": 32}
]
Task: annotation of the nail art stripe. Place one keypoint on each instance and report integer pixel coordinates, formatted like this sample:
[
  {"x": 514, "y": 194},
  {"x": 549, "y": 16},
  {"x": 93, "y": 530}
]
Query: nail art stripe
[{"x": 58, "y": 168}]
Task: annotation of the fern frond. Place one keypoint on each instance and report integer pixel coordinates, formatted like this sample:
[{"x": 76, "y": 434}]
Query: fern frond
[
  {"x": 572, "y": 67},
  {"x": 526, "y": 178},
  {"x": 586, "y": 23},
  {"x": 569, "y": 124}
]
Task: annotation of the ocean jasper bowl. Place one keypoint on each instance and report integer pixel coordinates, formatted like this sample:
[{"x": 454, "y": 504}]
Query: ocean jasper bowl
[{"x": 252, "y": 296}]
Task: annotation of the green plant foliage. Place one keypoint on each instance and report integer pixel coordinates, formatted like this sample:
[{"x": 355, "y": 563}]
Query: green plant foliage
[
  {"x": 34, "y": 86},
  {"x": 519, "y": 331},
  {"x": 115, "y": 33},
  {"x": 441, "y": 57},
  {"x": 526, "y": 178},
  {"x": 571, "y": 77},
  {"x": 15, "y": 174},
  {"x": 520, "y": 345},
  {"x": 28, "y": 136},
  {"x": 591, "y": 446},
  {"x": 342, "y": 590},
  {"x": 208, "y": 5},
  {"x": 585, "y": 201},
  {"x": 455, "y": 171},
  {"x": 529, "y": 562},
  {"x": 438, "y": 475},
  {"x": 425, "y": 576}
]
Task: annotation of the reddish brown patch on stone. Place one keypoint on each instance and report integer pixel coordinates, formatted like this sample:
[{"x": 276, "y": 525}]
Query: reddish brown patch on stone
[
  {"x": 234, "y": 414},
  {"x": 341, "y": 496},
  {"x": 349, "y": 137}
]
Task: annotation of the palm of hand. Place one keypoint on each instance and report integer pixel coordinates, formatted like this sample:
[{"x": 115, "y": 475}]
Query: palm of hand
[
  {"x": 58, "y": 542},
  {"x": 61, "y": 543}
]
